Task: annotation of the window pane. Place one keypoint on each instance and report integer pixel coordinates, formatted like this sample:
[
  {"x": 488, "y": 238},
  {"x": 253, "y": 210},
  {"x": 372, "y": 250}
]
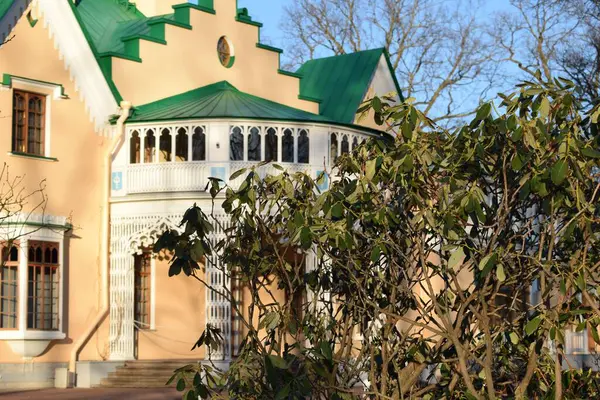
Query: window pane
[
  {"x": 345, "y": 145},
  {"x": 254, "y": 145},
  {"x": 303, "y": 147},
  {"x": 165, "y": 146},
  {"x": 181, "y": 145},
  {"x": 287, "y": 146},
  {"x": 236, "y": 145},
  {"x": 199, "y": 144},
  {"x": 43, "y": 286},
  {"x": 333, "y": 150},
  {"x": 149, "y": 146},
  {"x": 134, "y": 148},
  {"x": 271, "y": 145}
]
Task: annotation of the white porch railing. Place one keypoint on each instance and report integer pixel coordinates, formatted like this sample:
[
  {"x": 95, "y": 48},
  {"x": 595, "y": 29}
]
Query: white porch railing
[
  {"x": 193, "y": 176},
  {"x": 167, "y": 177},
  {"x": 265, "y": 170},
  {"x": 576, "y": 342}
]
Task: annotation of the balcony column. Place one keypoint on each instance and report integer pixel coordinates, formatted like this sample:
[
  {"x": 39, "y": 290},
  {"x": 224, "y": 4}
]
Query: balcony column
[
  {"x": 263, "y": 137},
  {"x": 174, "y": 132},
  {"x": 190, "y": 134},
  {"x": 245, "y": 135},
  {"x": 143, "y": 147},
  {"x": 295, "y": 133},
  {"x": 279, "y": 144}
]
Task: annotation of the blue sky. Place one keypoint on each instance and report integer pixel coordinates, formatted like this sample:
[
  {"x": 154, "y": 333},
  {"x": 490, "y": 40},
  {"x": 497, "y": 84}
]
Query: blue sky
[{"x": 270, "y": 13}]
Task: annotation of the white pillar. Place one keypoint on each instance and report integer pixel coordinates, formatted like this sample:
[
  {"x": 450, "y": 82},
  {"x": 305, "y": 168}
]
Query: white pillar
[{"x": 23, "y": 284}]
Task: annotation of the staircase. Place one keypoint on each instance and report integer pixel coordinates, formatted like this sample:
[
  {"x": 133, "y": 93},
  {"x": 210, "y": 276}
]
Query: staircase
[{"x": 143, "y": 374}]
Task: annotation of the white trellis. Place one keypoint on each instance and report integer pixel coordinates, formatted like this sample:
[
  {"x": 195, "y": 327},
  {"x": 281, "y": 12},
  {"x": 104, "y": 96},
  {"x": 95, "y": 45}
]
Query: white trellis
[{"x": 129, "y": 236}]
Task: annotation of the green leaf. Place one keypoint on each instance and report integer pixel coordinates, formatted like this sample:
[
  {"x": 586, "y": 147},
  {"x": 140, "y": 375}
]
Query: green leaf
[
  {"x": 500, "y": 273},
  {"x": 514, "y": 338},
  {"x": 483, "y": 112},
  {"x": 589, "y": 152},
  {"x": 370, "y": 169},
  {"x": 594, "y": 332},
  {"x": 375, "y": 254},
  {"x": 517, "y": 163},
  {"x": 456, "y": 257},
  {"x": 181, "y": 385},
  {"x": 337, "y": 210},
  {"x": 532, "y": 325},
  {"x": 326, "y": 350},
  {"x": 376, "y": 103},
  {"x": 278, "y": 362},
  {"x": 197, "y": 379},
  {"x": 237, "y": 174},
  {"x": 489, "y": 259},
  {"x": 544, "y": 110},
  {"x": 559, "y": 172}
]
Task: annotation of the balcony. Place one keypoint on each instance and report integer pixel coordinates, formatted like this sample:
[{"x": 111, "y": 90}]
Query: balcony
[
  {"x": 171, "y": 157},
  {"x": 192, "y": 176}
]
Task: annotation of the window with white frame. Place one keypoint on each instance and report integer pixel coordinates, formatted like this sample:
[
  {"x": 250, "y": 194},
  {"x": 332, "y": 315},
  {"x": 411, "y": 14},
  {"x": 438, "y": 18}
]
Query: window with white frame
[
  {"x": 31, "y": 115},
  {"x": 43, "y": 286},
  {"x": 9, "y": 279},
  {"x": 31, "y": 280}
]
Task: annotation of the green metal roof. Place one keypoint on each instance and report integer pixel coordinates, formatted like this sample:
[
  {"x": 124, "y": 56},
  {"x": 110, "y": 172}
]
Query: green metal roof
[
  {"x": 340, "y": 82},
  {"x": 106, "y": 21},
  {"x": 4, "y": 7},
  {"x": 219, "y": 100}
]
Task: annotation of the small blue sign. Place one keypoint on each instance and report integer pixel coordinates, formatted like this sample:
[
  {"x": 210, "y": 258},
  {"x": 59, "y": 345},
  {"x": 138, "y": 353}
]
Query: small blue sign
[
  {"x": 219, "y": 173},
  {"x": 322, "y": 180},
  {"x": 117, "y": 181}
]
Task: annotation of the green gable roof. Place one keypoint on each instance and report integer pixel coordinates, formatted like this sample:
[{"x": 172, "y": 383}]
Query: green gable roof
[
  {"x": 4, "y": 7},
  {"x": 340, "y": 82},
  {"x": 219, "y": 100},
  {"x": 103, "y": 18}
]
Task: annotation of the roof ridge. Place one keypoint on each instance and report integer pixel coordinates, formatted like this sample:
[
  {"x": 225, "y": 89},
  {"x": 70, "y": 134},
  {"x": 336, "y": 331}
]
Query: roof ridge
[{"x": 338, "y": 56}]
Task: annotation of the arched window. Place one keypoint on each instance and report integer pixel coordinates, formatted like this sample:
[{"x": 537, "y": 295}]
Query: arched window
[
  {"x": 149, "y": 146},
  {"x": 198, "y": 144},
  {"x": 236, "y": 144},
  {"x": 345, "y": 145},
  {"x": 254, "y": 144},
  {"x": 165, "y": 146},
  {"x": 134, "y": 148},
  {"x": 333, "y": 148},
  {"x": 287, "y": 146},
  {"x": 181, "y": 145},
  {"x": 271, "y": 145},
  {"x": 303, "y": 147},
  {"x": 354, "y": 143}
]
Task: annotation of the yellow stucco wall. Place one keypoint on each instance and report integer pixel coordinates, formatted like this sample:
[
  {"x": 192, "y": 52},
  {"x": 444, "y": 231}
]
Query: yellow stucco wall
[
  {"x": 73, "y": 184},
  {"x": 190, "y": 60},
  {"x": 180, "y": 318}
]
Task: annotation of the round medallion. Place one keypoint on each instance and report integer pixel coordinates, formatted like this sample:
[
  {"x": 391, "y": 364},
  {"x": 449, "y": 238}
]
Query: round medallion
[{"x": 225, "y": 51}]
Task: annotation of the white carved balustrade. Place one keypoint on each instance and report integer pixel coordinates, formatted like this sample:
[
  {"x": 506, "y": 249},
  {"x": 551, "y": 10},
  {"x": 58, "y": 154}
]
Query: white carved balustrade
[{"x": 167, "y": 177}]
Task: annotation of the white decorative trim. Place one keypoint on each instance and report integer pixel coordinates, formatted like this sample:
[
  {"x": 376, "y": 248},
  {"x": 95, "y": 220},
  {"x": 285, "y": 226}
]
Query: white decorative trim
[
  {"x": 31, "y": 335},
  {"x": 128, "y": 233},
  {"x": 146, "y": 237},
  {"x": 79, "y": 59}
]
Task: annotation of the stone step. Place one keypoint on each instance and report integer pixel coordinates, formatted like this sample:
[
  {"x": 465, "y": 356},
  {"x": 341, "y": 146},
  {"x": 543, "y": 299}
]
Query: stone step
[
  {"x": 144, "y": 374},
  {"x": 135, "y": 382}
]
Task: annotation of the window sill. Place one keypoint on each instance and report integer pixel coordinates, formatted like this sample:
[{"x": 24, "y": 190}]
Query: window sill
[
  {"x": 25, "y": 155},
  {"x": 31, "y": 335}
]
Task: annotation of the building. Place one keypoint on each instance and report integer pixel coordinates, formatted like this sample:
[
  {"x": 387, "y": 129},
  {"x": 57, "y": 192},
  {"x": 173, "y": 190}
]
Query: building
[{"x": 124, "y": 111}]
